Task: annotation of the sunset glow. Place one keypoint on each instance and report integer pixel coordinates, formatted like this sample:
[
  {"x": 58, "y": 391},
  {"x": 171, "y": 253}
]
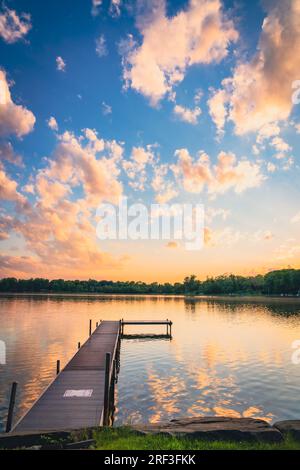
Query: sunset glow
[{"x": 189, "y": 101}]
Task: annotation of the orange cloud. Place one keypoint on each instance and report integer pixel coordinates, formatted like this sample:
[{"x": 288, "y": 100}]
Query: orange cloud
[
  {"x": 13, "y": 27},
  {"x": 14, "y": 119},
  {"x": 200, "y": 34},
  {"x": 260, "y": 91},
  {"x": 227, "y": 174}
]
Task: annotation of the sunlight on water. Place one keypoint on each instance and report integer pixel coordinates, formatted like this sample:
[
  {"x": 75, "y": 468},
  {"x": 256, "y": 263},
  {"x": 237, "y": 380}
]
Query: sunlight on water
[{"x": 228, "y": 357}]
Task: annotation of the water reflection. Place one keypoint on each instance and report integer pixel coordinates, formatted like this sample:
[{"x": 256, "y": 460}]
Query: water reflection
[{"x": 227, "y": 357}]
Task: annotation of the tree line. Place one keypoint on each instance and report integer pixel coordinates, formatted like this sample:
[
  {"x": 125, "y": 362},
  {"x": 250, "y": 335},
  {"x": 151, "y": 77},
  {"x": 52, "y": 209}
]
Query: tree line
[{"x": 281, "y": 282}]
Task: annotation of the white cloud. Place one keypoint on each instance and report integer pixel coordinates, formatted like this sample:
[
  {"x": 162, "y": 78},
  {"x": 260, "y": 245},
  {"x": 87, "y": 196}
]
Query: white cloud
[
  {"x": 14, "y": 119},
  {"x": 96, "y": 4},
  {"x": 217, "y": 109},
  {"x": 13, "y": 27},
  {"x": 271, "y": 167},
  {"x": 52, "y": 123},
  {"x": 280, "y": 145},
  {"x": 106, "y": 109},
  {"x": 101, "y": 49},
  {"x": 200, "y": 34},
  {"x": 60, "y": 64},
  {"x": 268, "y": 130},
  {"x": 186, "y": 114}
]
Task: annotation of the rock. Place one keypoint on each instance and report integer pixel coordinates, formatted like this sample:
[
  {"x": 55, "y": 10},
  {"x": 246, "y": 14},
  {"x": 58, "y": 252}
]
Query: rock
[
  {"x": 291, "y": 427},
  {"x": 215, "y": 428}
]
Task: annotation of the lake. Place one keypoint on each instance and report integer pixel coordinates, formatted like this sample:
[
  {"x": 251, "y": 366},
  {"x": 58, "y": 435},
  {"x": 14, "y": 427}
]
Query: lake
[{"x": 229, "y": 357}]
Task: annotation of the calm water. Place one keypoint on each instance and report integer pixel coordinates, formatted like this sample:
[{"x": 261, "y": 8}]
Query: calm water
[{"x": 226, "y": 358}]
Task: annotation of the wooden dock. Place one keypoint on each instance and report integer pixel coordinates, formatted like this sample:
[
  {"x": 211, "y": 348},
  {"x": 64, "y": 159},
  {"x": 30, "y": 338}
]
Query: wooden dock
[
  {"x": 79, "y": 395},
  {"x": 82, "y": 394}
]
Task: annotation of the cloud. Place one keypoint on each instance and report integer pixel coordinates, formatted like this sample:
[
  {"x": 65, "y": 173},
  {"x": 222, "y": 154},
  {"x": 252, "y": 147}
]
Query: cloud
[
  {"x": 13, "y": 27},
  {"x": 296, "y": 218},
  {"x": 57, "y": 227},
  {"x": 212, "y": 213},
  {"x": 8, "y": 190},
  {"x": 200, "y": 34},
  {"x": 271, "y": 167},
  {"x": 135, "y": 168},
  {"x": 172, "y": 245},
  {"x": 14, "y": 119},
  {"x": 83, "y": 164},
  {"x": 96, "y": 4},
  {"x": 7, "y": 224},
  {"x": 228, "y": 173},
  {"x": 52, "y": 123},
  {"x": 271, "y": 129},
  {"x": 7, "y": 153},
  {"x": 224, "y": 237},
  {"x": 217, "y": 109},
  {"x": 106, "y": 109},
  {"x": 187, "y": 115},
  {"x": 115, "y": 8},
  {"x": 164, "y": 188},
  {"x": 101, "y": 49},
  {"x": 260, "y": 91},
  {"x": 280, "y": 145},
  {"x": 60, "y": 64}
]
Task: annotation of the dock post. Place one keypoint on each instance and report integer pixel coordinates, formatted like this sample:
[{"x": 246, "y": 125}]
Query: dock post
[
  {"x": 170, "y": 329},
  {"x": 106, "y": 389},
  {"x": 11, "y": 406},
  {"x": 96, "y": 324},
  {"x": 112, "y": 387},
  {"x": 57, "y": 367},
  {"x": 90, "y": 330},
  {"x": 79, "y": 345},
  {"x": 167, "y": 327}
]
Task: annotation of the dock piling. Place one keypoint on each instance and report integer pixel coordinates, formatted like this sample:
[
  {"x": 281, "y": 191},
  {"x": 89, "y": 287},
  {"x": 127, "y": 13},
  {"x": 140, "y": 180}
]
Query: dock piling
[
  {"x": 90, "y": 329},
  {"x": 57, "y": 367},
  {"x": 106, "y": 389},
  {"x": 11, "y": 406}
]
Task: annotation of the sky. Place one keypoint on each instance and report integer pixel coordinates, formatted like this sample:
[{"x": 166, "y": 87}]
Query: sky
[{"x": 182, "y": 102}]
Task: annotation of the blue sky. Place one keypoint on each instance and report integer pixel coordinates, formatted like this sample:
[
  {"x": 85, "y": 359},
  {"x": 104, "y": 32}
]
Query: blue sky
[{"x": 250, "y": 183}]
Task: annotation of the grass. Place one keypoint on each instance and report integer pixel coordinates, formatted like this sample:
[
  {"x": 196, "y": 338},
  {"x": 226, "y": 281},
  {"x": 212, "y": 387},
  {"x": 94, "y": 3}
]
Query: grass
[{"x": 125, "y": 439}]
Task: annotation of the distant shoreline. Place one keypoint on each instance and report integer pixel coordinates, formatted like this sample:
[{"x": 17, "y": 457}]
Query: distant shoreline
[{"x": 222, "y": 297}]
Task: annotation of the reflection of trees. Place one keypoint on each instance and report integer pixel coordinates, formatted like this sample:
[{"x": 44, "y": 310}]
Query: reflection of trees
[{"x": 280, "y": 307}]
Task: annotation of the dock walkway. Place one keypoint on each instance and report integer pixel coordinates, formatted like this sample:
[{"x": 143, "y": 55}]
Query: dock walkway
[{"x": 76, "y": 398}]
